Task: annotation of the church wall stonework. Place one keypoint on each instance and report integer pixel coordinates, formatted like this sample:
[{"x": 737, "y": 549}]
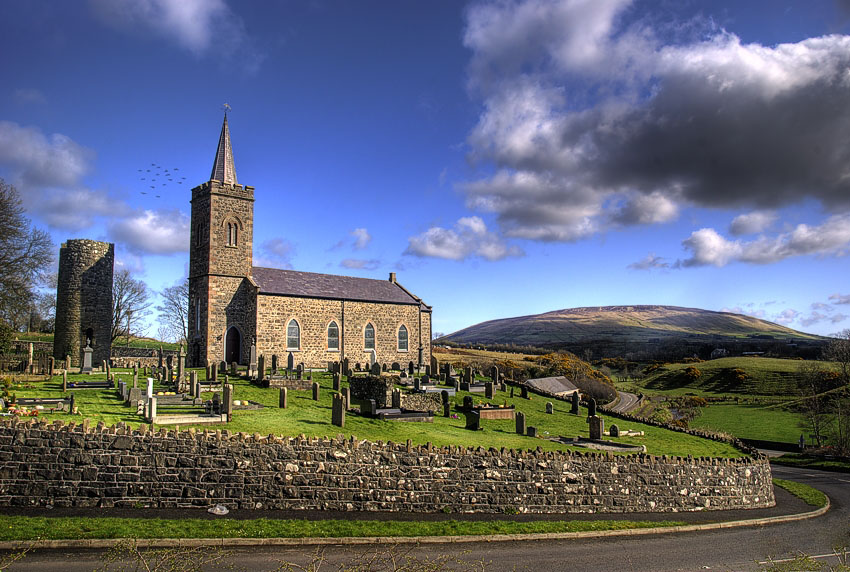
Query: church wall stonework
[
  {"x": 231, "y": 303},
  {"x": 314, "y": 315}
]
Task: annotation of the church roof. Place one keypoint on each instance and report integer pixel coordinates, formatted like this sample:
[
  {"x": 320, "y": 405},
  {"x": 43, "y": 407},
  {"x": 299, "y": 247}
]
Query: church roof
[
  {"x": 223, "y": 167},
  {"x": 329, "y": 286}
]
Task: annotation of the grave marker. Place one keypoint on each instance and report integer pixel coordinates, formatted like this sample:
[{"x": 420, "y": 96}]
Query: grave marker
[
  {"x": 520, "y": 423},
  {"x": 549, "y": 407},
  {"x": 315, "y": 391},
  {"x": 281, "y": 401},
  {"x": 338, "y": 410}
]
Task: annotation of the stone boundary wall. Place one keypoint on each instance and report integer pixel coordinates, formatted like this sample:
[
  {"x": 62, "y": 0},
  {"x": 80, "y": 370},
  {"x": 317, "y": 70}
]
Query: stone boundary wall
[{"x": 71, "y": 465}]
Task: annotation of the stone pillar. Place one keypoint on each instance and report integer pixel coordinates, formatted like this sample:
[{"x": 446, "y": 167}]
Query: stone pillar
[
  {"x": 67, "y": 362},
  {"x": 151, "y": 408},
  {"x": 29, "y": 357},
  {"x": 338, "y": 410},
  {"x": 281, "y": 399},
  {"x": 150, "y": 387},
  {"x": 315, "y": 391},
  {"x": 228, "y": 402},
  {"x": 64, "y": 380},
  {"x": 520, "y": 423},
  {"x": 181, "y": 364},
  {"x": 252, "y": 363},
  {"x": 193, "y": 383},
  {"x": 135, "y": 378},
  {"x": 87, "y": 359}
]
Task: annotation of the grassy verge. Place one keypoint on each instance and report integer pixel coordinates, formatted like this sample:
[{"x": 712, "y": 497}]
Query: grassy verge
[
  {"x": 810, "y": 495},
  {"x": 751, "y": 422},
  {"x": 21, "y": 528},
  {"x": 798, "y": 460}
]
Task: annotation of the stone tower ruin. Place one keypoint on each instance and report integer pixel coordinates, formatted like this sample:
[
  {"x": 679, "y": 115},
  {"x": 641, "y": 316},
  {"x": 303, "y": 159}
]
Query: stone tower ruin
[{"x": 84, "y": 300}]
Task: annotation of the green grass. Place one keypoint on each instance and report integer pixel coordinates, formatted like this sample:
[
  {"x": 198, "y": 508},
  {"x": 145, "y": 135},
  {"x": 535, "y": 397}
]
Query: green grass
[
  {"x": 810, "y": 495},
  {"x": 751, "y": 422},
  {"x": 811, "y": 462},
  {"x": 311, "y": 418},
  {"x": 23, "y": 528},
  {"x": 120, "y": 341},
  {"x": 765, "y": 376}
]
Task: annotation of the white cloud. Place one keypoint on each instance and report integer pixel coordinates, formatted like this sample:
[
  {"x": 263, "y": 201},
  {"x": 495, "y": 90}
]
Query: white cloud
[
  {"x": 152, "y": 232},
  {"x": 786, "y": 317},
  {"x": 752, "y": 223},
  {"x": 708, "y": 247},
  {"x": 840, "y": 298},
  {"x": 650, "y": 262},
  {"x": 360, "y": 264},
  {"x": 275, "y": 253},
  {"x": 468, "y": 238},
  {"x": 362, "y": 238},
  {"x": 590, "y": 120}
]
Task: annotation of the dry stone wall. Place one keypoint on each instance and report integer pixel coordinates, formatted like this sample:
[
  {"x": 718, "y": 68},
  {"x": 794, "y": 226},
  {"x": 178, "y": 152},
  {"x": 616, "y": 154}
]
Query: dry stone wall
[{"x": 71, "y": 465}]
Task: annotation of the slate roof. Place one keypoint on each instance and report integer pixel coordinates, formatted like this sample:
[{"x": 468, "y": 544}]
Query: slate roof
[
  {"x": 556, "y": 385},
  {"x": 330, "y": 286}
]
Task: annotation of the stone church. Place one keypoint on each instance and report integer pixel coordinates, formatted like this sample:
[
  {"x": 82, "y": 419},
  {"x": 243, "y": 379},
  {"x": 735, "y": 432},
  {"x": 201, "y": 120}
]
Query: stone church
[{"x": 317, "y": 317}]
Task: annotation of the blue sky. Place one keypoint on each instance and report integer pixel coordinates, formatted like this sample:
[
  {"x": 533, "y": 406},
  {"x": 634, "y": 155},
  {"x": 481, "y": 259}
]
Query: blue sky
[{"x": 504, "y": 158}]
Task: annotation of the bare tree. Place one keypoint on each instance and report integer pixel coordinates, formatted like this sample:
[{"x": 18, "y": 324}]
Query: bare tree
[
  {"x": 812, "y": 382},
  {"x": 129, "y": 304},
  {"x": 838, "y": 350},
  {"x": 174, "y": 310},
  {"x": 26, "y": 257}
]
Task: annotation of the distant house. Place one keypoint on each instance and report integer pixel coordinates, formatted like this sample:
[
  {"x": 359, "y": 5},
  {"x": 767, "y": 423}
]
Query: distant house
[
  {"x": 560, "y": 386},
  {"x": 719, "y": 353}
]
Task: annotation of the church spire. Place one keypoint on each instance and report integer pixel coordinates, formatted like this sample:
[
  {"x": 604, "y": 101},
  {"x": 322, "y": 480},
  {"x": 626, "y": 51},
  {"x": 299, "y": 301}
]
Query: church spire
[{"x": 223, "y": 167}]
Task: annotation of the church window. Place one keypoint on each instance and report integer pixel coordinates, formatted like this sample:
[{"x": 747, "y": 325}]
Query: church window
[
  {"x": 369, "y": 337},
  {"x": 333, "y": 336},
  {"x": 402, "y": 339},
  {"x": 232, "y": 234},
  {"x": 293, "y": 335}
]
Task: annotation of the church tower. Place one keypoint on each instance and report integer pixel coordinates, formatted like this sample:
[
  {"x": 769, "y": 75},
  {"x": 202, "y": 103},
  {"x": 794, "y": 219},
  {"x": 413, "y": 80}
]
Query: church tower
[{"x": 222, "y": 313}]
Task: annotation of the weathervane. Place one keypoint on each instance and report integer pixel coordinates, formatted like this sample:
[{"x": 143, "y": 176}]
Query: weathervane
[{"x": 226, "y": 107}]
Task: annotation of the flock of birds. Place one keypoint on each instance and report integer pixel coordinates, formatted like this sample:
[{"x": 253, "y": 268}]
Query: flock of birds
[{"x": 155, "y": 175}]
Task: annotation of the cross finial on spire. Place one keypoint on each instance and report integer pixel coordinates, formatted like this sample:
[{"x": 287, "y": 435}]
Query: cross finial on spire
[
  {"x": 223, "y": 169},
  {"x": 226, "y": 107}
]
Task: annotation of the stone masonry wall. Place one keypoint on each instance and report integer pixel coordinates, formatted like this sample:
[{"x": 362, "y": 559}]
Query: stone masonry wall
[
  {"x": 314, "y": 315},
  {"x": 71, "y": 465}
]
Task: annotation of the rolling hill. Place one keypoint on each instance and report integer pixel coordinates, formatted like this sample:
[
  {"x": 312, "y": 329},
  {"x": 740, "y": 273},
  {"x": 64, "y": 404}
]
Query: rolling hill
[{"x": 615, "y": 330}]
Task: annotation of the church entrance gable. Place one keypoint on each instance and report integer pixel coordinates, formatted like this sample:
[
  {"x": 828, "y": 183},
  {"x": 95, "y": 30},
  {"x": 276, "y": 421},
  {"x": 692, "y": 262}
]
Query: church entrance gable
[{"x": 233, "y": 346}]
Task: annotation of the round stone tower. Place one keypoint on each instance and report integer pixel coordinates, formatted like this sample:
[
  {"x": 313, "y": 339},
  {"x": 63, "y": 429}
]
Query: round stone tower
[{"x": 84, "y": 300}]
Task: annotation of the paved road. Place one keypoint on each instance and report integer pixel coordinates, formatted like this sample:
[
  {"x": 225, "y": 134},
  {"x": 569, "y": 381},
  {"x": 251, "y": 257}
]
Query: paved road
[
  {"x": 628, "y": 401},
  {"x": 733, "y": 549}
]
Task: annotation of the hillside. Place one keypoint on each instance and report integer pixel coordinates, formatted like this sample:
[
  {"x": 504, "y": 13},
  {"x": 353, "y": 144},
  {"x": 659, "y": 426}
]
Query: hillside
[{"x": 616, "y": 330}]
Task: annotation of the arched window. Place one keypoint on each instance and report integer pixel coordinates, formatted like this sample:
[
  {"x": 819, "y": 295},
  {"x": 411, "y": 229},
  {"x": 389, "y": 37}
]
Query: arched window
[
  {"x": 232, "y": 234},
  {"x": 402, "y": 339},
  {"x": 293, "y": 335},
  {"x": 333, "y": 336},
  {"x": 369, "y": 337}
]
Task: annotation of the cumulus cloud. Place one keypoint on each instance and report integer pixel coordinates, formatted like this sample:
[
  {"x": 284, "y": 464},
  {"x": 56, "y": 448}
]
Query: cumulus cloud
[
  {"x": 786, "y": 317},
  {"x": 752, "y": 223},
  {"x": 198, "y": 26},
  {"x": 651, "y": 262},
  {"x": 840, "y": 298},
  {"x": 48, "y": 170},
  {"x": 592, "y": 119},
  {"x": 469, "y": 237},
  {"x": 360, "y": 264},
  {"x": 275, "y": 253},
  {"x": 708, "y": 247},
  {"x": 362, "y": 238},
  {"x": 164, "y": 231}
]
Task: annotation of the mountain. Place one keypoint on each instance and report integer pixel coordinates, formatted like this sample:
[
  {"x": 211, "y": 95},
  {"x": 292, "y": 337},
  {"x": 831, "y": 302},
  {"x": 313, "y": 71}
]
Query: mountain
[{"x": 615, "y": 330}]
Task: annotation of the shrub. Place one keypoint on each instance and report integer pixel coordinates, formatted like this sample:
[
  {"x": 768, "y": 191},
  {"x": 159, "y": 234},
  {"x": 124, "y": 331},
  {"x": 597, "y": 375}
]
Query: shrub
[{"x": 691, "y": 373}]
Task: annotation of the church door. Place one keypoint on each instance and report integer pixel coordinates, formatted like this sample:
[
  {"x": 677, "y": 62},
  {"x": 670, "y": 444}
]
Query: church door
[{"x": 233, "y": 346}]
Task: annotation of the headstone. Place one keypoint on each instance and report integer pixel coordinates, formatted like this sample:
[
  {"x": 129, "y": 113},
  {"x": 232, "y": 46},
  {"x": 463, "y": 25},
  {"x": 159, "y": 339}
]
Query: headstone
[
  {"x": 444, "y": 396},
  {"x": 346, "y": 395},
  {"x": 67, "y": 362},
  {"x": 65, "y": 380},
  {"x": 473, "y": 420},
  {"x": 315, "y": 391},
  {"x": 169, "y": 361},
  {"x": 261, "y": 367},
  {"x": 135, "y": 378},
  {"x": 614, "y": 431},
  {"x": 467, "y": 402},
  {"x": 228, "y": 402},
  {"x": 456, "y": 384},
  {"x": 503, "y": 386},
  {"x": 281, "y": 401},
  {"x": 532, "y": 431},
  {"x": 134, "y": 395},
  {"x": 252, "y": 363},
  {"x": 384, "y": 367},
  {"x": 428, "y": 370},
  {"x": 181, "y": 363},
  {"x": 410, "y": 368},
  {"x": 233, "y": 368},
  {"x": 396, "y": 398},
  {"x": 213, "y": 372},
  {"x": 150, "y": 387},
  {"x": 591, "y": 408},
  {"x": 222, "y": 367},
  {"x": 336, "y": 382},
  {"x": 417, "y": 384},
  {"x": 87, "y": 353},
  {"x": 512, "y": 391},
  {"x": 375, "y": 369},
  {"x": 395, "y": 366},
  {"x": 159, "y": 356},
  {"x": 299, "y": 374},
  {"x": 274, "y": 364},
  {"x": 574, "y": 400},
  {"x": 524, "y": 391},
  {"x": 549, "y": 408},
  {"x": 489, "y": 390},
  {"x": 346, "y": 367},
  {"x": 468, "y": 375},
  {"x": 290, "y": 362},
  {"x": 151, "y": 408},
  {"x": 520, "y": 423},
  {"x": 597, "y": 427},
  {"x": 338, "y": 410},
  {"x": 51, "y": 365},
  {"x": 435, "y": 365}
]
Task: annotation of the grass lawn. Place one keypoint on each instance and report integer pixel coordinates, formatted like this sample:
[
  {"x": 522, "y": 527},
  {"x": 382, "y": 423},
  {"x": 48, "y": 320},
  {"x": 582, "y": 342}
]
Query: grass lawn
[
  {"x": 812, "y": 462},
  {"x": 751, "y": 422},
  {"x": 811, "y": 495},
  {"x": 311, "y": 418}
]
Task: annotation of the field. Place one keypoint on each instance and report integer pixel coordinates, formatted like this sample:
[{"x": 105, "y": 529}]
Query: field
[
  {"x": 311, "y": 418},
  {"x": 751, "y": 422}
]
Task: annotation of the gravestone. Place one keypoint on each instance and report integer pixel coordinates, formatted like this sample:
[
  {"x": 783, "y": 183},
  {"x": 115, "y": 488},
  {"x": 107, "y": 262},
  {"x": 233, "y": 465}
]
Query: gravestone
[
  {"x": 574, "y": 401},
  {"x": 252, "y": 363},
  {"x": 427, "y": 371},
  {"x": 597, "y": 427},
  {"x": 396, "y": 398},
  {"x": 336, "y": 381},
  {"x": 193, "y": 383},
  {"x": 503, "y": 386},
  {"x": 338, "y": 410},
  {"x": 591, "y": 408},
  {"x": 384, "y": 367},
  {"x": 489, "y": 390},
  {"x": 290, "y": 362},
  {"x": 281, "y": 401},
  {"x": 532, "y": 431},
  {"x": 87, "y": 353},
  {"x": 410, "y": 368},
  {"x": 222, "y": 367},
  {"x": 456, "y": 384},
  {"x": 346, "y": 395},
  {"x": 299, "y": 373},
  {"x": 417, "y": 384},
  {"x": 549, "y": 407},
  {"x": 181, "y": 363},
  {"x": 468, "y": 375},
  {"x": 65, "y": 380},
  {"x": 67, "y": 362},
  {"x": 233, "y": 368},
  {"x": 135, "y": 378},
  {"x": 395, "y": 366},
  {"x": 261, "y": 367},
  {"x": 494, "y": 374},
  {"x": 520, "y": 423},
  {"x": 512, "y": 391},
  {"x": 51, "y": 364},
  {"x": 274, "y": 364},
  {"x": 467, "y": 402},
  {"x": 151, "y": 412},
  {"x": 614, "y": 431},
  {"x": 135, "y": 395},
  {"x": 435, "y": 365},
  {"x": 524, "y": 391},
  {"x": 371, "y": 408},
  {"x": 375, "y": 369},
  {"x": 315, "y": 391},
  {"x": 150, "y": 387},
  {"x": 228, "y": 402},
  {"x": 213, "y": 372},
  {"x": 473, "y": 420},
  {"x": 346, "y": 367},
  {"x": 444, "y": 396}
]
